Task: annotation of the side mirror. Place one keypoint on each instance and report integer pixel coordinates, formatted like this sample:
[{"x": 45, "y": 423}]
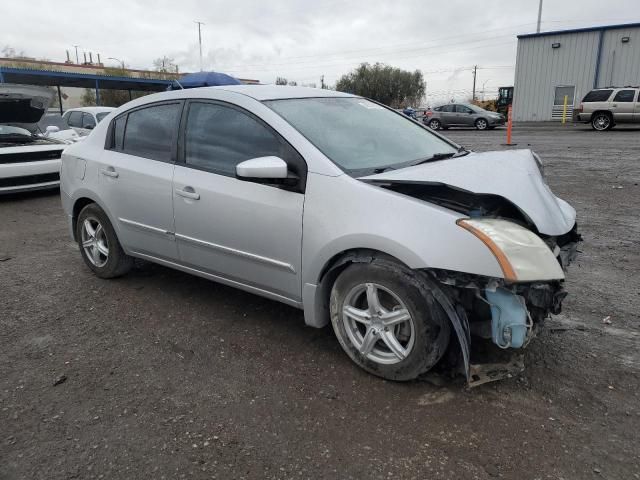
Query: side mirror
[
  {"x": 265, "y": 168},
  {"x": 52, "y": 129}
]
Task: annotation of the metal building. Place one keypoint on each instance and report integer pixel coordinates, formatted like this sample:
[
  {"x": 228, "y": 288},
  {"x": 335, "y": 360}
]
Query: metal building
[{"x": 550, "y": 65}]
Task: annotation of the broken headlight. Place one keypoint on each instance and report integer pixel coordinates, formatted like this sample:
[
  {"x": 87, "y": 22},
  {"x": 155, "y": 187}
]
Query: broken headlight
[{"x": 521, "y": 254}]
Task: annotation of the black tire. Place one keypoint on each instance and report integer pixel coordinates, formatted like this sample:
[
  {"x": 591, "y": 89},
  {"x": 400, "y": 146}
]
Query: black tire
[
  {"x": 117, "y": 262},
  {"x": 435, "y": 124},
  {"x": 430, "y": 327},
  {"x": 601, "y": 121},
  {"x": 482, "y": 124}
]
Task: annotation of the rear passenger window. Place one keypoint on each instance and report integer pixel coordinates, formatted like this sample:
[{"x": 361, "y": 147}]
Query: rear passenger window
[
  {"x": 217, "y": 138},
  {"x": 625, "y": 96},
  {"x": 597, "y": 96},
  {"x": 150, "y": 131}
]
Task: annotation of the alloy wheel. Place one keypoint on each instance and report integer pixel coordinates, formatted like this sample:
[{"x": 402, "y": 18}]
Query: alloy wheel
[
  {"x": 378, "y": 323},
  {"x": 601, "y": 122},
  {"x": 482, "y": 124},
  {"x": 94, "y": 242},
  {"x": 434, "y": 124}
]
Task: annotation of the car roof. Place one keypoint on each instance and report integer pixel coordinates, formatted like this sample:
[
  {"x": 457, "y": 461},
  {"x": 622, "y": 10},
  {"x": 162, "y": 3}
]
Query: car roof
[
  {"x": 91, "y": 109},
  {"x": 257, "y": 92}
]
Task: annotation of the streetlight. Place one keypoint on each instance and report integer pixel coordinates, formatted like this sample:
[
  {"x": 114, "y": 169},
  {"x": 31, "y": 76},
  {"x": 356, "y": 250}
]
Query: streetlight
[
  {"x": 117, "y": 60},
  {"x": 200, "y": 40},
  {"x": 483, "y": 90}
]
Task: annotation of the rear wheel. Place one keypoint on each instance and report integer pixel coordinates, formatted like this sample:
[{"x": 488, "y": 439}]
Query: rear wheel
[
  {"x": 482, "y": 124},
  {"x": 435, "y": 124},
  {"x": 387, "y": 320},
  {"x": 99, "y": 245},
  {"x": 601, "y": 121}
]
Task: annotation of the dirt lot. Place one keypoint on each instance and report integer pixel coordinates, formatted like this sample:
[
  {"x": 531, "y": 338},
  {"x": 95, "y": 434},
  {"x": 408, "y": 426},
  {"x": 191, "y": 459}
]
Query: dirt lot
[{"x": 172, "y": 376}]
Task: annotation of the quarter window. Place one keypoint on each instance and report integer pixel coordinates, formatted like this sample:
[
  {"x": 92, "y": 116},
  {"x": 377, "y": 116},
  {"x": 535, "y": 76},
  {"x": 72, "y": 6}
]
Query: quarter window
[
  {"x": 625, "y": 96},
  {"x": 217, "y": 138},
  {"x": 597, "y": 96},
  {"x": 150, "y": 131}
]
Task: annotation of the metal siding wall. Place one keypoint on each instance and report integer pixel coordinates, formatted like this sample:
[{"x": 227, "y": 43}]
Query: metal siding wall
[
  {"x": 540, "y": 68},
  {"x": 620, "y": 61}
]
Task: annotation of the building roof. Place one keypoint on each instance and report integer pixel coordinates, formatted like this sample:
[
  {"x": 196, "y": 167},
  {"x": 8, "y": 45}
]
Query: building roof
[{"x": 581, "y": 30}]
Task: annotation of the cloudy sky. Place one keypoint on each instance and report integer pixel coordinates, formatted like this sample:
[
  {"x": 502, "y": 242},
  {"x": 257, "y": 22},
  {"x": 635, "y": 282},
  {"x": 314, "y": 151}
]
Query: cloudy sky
[{"x": 303, "y": 40}]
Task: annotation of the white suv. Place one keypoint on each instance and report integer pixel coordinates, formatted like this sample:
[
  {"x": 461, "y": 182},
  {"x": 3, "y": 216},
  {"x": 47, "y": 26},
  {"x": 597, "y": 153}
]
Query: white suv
[{"x": 604, "y": 107}]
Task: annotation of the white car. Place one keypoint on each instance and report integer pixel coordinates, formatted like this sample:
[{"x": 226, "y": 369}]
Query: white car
[
  {"x": 405, "y": 242},
  {"x": 28, "y": 160},
  {"x": 85, "y": 119}
]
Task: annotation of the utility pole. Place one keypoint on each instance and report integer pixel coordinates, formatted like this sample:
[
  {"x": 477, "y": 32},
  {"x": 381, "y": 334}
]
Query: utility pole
[
  {"x": 475, "y": 74},
  {"x": 77, "y": 58},
  {"x": 539, "y": 16},
  {"x": 200, "y": 40}
]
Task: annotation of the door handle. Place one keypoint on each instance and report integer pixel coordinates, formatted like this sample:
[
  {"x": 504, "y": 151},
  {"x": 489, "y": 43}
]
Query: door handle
[
  {"x": 109, "y": 172},
  {"x": 188, "y": 192}
]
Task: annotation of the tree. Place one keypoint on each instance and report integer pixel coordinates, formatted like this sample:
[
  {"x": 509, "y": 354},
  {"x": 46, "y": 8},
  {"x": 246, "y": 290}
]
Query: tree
[
  {"x": 165, "y": 64},
  {"x": 281, "y": 81},
  {"x": 392, "y": 86}
]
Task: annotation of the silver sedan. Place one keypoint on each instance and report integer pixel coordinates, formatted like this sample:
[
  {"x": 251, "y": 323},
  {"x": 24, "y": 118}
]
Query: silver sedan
[{"x": 403, "y": 241}]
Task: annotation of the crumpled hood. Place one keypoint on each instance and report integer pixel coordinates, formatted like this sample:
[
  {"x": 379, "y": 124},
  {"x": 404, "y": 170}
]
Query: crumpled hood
[
  {"x": 512, "y": 174},
  {"x": 23, "y": 105}
]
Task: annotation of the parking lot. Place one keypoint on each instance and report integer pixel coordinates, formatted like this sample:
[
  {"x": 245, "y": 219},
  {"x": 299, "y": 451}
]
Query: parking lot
[{"x": 163, "y": 375}]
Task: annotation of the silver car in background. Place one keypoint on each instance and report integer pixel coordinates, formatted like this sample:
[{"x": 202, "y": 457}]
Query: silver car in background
[
  {"x": 402, "y": 240},
  {"x": 462, "y": 115}
]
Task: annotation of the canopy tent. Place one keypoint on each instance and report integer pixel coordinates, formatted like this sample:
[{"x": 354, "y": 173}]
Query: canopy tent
[{"x": 204, "y": 79}]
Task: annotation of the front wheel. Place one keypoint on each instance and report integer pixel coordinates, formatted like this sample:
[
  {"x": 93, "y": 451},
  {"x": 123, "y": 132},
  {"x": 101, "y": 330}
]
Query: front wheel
[
  {"x": 99, "y": 245},
  {"x": 482, "y": 124},
  {"x": 387, "y": 320}
]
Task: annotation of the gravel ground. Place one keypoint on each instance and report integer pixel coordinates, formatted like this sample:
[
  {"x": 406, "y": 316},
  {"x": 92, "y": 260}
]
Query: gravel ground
[{"x": 165, "y": 375}]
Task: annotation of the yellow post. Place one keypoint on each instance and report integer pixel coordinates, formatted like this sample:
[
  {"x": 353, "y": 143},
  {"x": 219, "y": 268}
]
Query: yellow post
[{"x": 564, "y": 109}]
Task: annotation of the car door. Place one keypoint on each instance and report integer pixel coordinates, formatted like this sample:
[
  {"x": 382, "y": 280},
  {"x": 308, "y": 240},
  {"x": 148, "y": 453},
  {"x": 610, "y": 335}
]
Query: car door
[
  {"x": 247, "y": 234},
  {"x": 623, "y": 105},
  {"x": 449, "y": 114},
  {"x": 464, "y": 116},
  {"x": 135, "y": 178}
]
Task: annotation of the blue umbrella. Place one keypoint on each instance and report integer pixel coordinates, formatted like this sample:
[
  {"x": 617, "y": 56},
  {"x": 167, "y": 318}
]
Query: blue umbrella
[{"x": 206, "y": 79}]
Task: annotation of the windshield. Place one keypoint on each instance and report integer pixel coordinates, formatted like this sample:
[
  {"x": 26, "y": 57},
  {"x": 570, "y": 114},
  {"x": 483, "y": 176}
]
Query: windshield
[
  {"x": 360, "y": 136},
  {"x": 8, "y": 130},
  {"x": 101, "y": 115}
]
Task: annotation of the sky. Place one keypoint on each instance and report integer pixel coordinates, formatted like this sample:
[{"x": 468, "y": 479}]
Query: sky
[{"x": 302, "y": 40}]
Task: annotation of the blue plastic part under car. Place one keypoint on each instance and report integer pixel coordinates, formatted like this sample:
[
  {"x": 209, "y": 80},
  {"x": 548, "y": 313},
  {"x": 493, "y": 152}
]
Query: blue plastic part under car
[{"x": 508, "y": 318}]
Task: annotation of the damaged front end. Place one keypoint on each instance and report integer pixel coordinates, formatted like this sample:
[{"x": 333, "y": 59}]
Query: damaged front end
[
  {"x": 507, "y": 205},
  {"x": 497, "y": 320}
]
